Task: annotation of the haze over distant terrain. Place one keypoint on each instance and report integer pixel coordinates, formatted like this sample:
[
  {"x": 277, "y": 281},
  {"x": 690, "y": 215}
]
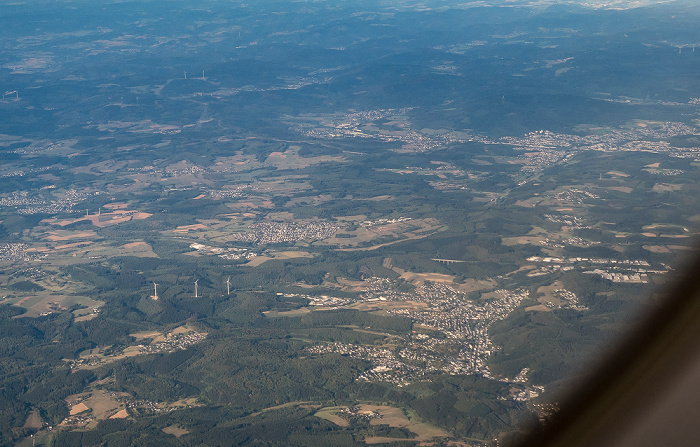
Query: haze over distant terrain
[{"x": 335, "y": 222}]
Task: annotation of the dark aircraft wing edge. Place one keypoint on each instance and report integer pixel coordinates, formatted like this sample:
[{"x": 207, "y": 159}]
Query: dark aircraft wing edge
[{"x": 647, "y": 392}]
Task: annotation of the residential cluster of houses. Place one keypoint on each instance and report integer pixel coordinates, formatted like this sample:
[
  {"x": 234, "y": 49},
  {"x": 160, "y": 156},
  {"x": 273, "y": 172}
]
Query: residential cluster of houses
[
  {"x": 26, "y": 202},
  {"x": 173, "y": 342},
  {"x": 464, "y": 322}
]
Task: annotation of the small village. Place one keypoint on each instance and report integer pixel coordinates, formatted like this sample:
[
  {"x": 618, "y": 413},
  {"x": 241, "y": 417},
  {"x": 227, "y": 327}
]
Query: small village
[
  {"x": 18, "y": 252},
  {"x": 277, "y": 232},
  {"x": 355, "y": 125},
  {"x": 173, "y": 342},
  {"x": 31, "y": 203}
]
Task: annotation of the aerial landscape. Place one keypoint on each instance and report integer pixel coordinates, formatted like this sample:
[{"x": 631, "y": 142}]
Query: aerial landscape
[{"x": 332, "y": 223}]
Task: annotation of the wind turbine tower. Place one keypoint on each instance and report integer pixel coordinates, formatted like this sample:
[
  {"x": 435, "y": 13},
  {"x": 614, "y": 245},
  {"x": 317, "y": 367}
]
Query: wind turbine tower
[
  {"x": 155, "y": 291},
  {"x": 228, "y": 286},
  {"x": 195, "y": 289}
]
